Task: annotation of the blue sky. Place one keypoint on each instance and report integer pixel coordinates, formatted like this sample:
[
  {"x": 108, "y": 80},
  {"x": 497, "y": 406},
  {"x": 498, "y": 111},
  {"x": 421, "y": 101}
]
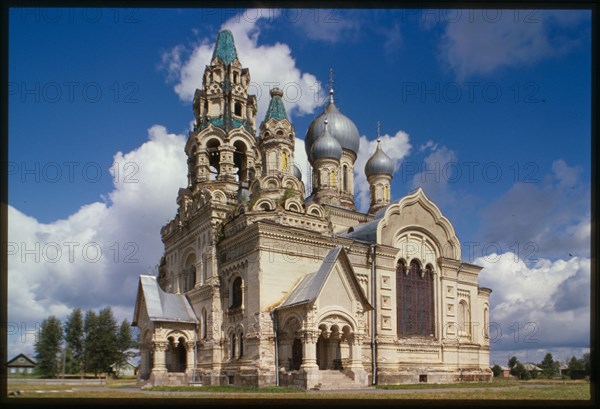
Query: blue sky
[{"x": 488, "y": 111}]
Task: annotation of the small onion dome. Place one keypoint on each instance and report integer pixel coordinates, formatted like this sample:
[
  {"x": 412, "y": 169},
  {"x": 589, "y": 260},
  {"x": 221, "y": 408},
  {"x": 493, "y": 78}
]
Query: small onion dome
[
  {"x": 340, "y": 127},
  {"x": 326, "y": 146},
  {"x": 297, "y": 172},
  {"x": 379, "y": 163}
]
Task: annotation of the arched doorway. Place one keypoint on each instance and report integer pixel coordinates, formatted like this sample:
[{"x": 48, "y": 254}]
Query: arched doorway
[
  {"x": 176, "y": 355},
  {"x": 296, "y": 354},
  {"x": 334, "y": 350}
]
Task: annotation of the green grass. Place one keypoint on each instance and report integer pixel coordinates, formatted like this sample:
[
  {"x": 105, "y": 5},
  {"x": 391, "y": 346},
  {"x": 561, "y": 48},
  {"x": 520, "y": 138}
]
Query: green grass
[
  {"x": 226, "y": 389},
  {"x": 493, "y": 384},
  {"x": 500, "y": 390}
]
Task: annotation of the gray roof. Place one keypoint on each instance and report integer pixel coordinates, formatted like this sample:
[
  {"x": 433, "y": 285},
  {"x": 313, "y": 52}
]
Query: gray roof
[
  {"x": 310, "y": 286},
  {"x": 297, "y": 171},
  {"x": 162, "y": 306},
  {"x": 379, "y": 163},
  {"x": 340, "y": 127},
  {"x": 367, "y": 231},
  {"x": 326, "y": 146}
]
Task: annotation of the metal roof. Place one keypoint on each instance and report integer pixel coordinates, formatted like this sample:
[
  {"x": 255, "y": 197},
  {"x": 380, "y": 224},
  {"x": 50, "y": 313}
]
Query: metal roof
[
  {"x": 276, "y": 108},
  {"x": 310, "y": 286},
  {"x": 225, "y": 47},
  {"x": 162, "y": 306}
]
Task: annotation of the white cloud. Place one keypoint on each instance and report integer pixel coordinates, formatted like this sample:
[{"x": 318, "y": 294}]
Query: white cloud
[
  {"x": 549, "y": 303},
  {"x": 94, "y": 257},
  {"x": 397, "y": 147},
  {"x": 301, "y": 160},
  {"x": 270, "y": 65},
  {"x": 482, "y": 41}
]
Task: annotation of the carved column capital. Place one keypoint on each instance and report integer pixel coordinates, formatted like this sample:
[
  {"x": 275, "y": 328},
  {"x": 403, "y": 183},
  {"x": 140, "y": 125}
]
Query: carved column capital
[{"x": 160, "y": 346}]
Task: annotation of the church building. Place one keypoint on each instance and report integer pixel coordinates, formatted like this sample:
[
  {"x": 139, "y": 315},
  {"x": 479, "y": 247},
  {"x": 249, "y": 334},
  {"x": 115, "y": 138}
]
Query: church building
[{"x": 265, "y": 283}]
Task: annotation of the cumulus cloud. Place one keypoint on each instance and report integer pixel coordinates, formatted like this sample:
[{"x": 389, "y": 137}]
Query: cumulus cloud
[
  {"x": 552, "y": 217},
  {"x": 482, "y": 41},
  {"x": 396, "y": 146},
  {"x": 540, "y": 307},
  {"x": 302, "y": 91},
  {"x": 94, "y": 257}
]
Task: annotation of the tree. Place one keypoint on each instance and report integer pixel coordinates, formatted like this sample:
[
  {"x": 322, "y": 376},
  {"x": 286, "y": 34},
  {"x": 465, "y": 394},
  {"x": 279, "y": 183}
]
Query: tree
[
  {"x": 48, "y": 347},
  {"x": 576, "y": 364},
  {"x": 103, "y": 350},
  {"x": 124, "y": 343},
  {"x": 586, "y": 362},
  {"x": 520, "y": 372},
  {"x": 90, "y": 339},
  {"x": 549, "y": 366},
  {"x": 75, "y": 337},
  {"x": 496, "y": 370},
  {"x": 512, "y": 362}
]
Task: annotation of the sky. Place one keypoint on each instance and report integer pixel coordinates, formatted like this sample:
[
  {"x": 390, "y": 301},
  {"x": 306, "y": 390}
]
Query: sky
[{"x": 487, "y": 110}]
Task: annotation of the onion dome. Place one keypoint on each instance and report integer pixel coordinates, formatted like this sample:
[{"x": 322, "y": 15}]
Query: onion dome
[
  {"x": 340, "y": 127},
  {"x": 379, "y": 163},
  {"x": 297, "y": 172},
  {"x": 326, "y": 146}
]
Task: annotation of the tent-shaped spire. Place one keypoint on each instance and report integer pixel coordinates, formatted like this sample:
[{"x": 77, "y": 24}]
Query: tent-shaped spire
[
  {"x": 276, "y": 108},
  {"x": 225, "y": 47}
]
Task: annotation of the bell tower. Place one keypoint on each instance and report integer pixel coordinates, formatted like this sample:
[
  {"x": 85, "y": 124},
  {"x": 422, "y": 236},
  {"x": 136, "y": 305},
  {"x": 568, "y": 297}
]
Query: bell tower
[
  {"x": 280, "y": 177},
  {"x": 221, "y": 149}
]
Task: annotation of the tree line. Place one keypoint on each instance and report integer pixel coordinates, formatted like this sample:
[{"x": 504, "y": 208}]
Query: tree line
[
  {"x": 549, "y": 367},
  {"x": 83, "y": 344}
]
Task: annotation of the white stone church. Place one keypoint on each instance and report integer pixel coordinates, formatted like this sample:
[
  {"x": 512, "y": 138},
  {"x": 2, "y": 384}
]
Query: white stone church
[{"x": 261, "y": 284}]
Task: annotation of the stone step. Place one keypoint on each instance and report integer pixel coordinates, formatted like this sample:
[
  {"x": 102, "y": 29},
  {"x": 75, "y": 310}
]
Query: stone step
[{"x": 331, "y": 380}]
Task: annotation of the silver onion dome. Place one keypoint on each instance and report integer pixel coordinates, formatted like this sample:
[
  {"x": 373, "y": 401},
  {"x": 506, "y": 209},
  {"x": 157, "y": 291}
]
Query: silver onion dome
[
  {"x": 379, "y": 163},
  {"x": 297, "y": 172},
  {"x": 340, "y": 127},
  {"x": 326, "y": 146}
]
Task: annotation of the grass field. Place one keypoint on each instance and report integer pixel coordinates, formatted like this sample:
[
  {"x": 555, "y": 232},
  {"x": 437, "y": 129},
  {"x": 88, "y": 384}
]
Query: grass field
[{"x": 498, "y": 390}]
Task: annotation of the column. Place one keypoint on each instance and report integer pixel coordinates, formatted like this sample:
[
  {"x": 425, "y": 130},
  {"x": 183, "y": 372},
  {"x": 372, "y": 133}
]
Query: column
[
  {"x": 356, "y": 351},
  {"x": 160, "y": 347},
  {"x": 309, "y": 350},
  {"x": 189, "y": 362}
]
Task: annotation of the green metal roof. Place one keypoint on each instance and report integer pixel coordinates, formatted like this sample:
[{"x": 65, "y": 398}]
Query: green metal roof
[
  {"x": 276, "y": 109},
  {"x": 225, "y": 47}
]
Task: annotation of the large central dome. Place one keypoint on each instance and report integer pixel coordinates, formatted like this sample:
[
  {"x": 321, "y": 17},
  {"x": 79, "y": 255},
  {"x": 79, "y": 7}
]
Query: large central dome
[{"x": 339, "y": 126}]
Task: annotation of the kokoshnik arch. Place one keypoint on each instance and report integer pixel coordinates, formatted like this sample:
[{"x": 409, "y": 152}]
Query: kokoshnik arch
[{"x": 261, "y": 284}]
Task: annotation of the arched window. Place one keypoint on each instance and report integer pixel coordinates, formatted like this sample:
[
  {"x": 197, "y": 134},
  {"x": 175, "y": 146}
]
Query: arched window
[
  {"x": 284, "y": 161},
  {"x": 232, "y": 345},
  {"x": 387, "y": 193},
  {"x": 332, "y": 178},
  {"x": 414, "y": 299},
  {"x": 204, "y": 323},
  {"x": 189, "y": 274},
  {"x": 236, "y": 77},
  {"x": 240, "y": 344},
  {"x": 236, "y": 293},
  {"x": 486, "y": 322},
  {"x": 204, "y": 269},
  {"x": 463, "y": 318},
  {"x": 214, "y": 158},
  {"x": 240, "y": 161},
  {"x": 345, "y": 178},
  {"x": 237, "y": 109}
]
